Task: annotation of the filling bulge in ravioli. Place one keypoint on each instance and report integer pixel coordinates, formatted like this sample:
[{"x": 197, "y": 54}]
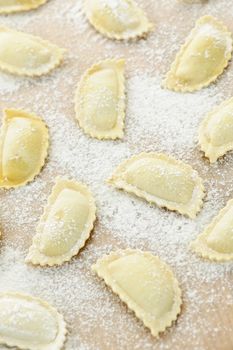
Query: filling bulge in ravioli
[
  {"x": 145, "y": 283},
  {"x": 221, "y": 131},
  {"x": 216, "y": 131},
  {"x": 23, "y": 147},
  {"x": 160, "y": 179},
  {"x": 26, "y": 54},
  {"x": 27, "y": 322},
  {"x": 9, "y": 6},
  {"x": 202, "y": 57},
  {"x": 100, "y": 102},
  {"x": 115, "y": 16},
  {"x": 216, "y": 241},
  {"x": 117, "y": 19},
  {"x": 32, "y": 322},
  {"x": 220, "y": 238},
  {"x": 65, "y": 223},
  {"x": 29, "y": 54}
]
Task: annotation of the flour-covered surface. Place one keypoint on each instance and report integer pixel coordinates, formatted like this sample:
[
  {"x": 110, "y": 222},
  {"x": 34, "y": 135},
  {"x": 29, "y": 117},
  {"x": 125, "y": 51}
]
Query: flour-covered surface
[{"x": 156, "y": 120}]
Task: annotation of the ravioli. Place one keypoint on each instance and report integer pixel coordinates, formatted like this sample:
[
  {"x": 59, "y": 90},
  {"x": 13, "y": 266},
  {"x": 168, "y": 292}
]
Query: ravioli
[
  {"x": 216, "y": 242},
  {"x": 145, "y": 283},
  {"x": 204, "y": 56},
  {"x": 216, "y": 131},
  {"x": 117, "y": 19},
  {"x": 26, "y": 54},
  {"x": 65, "y": 226},
  {"x": 162, "y": 180},
  {"x": 30, "y": 323},
  {"x": 9, "y": 6},
  {"x": 24, "y": 143},
  {"x": 100, "y": 100}
]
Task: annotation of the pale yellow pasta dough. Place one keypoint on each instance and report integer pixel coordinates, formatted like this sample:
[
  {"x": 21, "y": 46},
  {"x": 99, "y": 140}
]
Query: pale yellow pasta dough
[
  {"x": 100, "y": 100},
  {"x": 216, "y": 242},
  {"x": 145, "y": 284},
  {"x": 8, "y": 6},
  {"x": 203, "y": 57},
  {"x": 65, "y": 226},
  {"x": 30, "y": 323},
  {"x": 117, "y": 19},
  {"x": 23, "y": 147},
  {"x": 162, "y": 180},
  {"x": 216, "y": 131},
  {"x": 26, "y": 54}
]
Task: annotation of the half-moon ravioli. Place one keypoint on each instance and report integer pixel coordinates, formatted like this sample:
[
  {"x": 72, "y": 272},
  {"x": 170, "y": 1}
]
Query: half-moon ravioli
[
  {"x": 145, "y": 283},
  {"x": 117, "y": 19},
  {"x": 100, "y": 100},
  {"x": 30, "y": 323},
  {"x": 24, "y": 141},
  {"x": 216, "y": 131},
  {"x": 203, "y": 57},
  {"x": 216, "y": 242},
  {"x": 65, "y": 226},
  {"x": 162, "y": 180},
  {"x": 9, "y": 6},
  {"x": 26, "y": 54}
]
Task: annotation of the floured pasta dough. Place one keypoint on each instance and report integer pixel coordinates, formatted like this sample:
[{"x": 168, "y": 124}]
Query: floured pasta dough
[
  {"x": 24, "y": 141},
  {"x": 9, "y": 6},
  {"x": 26, "y": 54},
  {"x": 117, "y": 19},
  {"x": 216, "y": 131},
  {"x": 100, "y": 100},
  {"x": 203, "y": 57},
  {"x": 145, "y": 283},
  {"x": 216, "y": 242},
  {"x": 65, "y": 226},
  {"x": 162, "y": 180},
  {"x": 30, "y": 323}
]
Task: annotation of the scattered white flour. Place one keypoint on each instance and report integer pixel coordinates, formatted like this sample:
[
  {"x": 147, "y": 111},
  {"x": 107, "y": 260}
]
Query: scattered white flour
[
  {"x": 156, "y": 120},
  {"x": 9, "y": 84}
]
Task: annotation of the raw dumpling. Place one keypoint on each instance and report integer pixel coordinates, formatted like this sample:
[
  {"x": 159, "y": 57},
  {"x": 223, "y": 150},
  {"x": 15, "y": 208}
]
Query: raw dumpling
[
  {"x": 145, "y": 283},
  {"x": 24, "y": 141},
  {"x": 30, "y": 323},
  {"x": 162, "y": 180},
  {"x": 65, "y": 226},
  {"x": 203, "y": 57},
  {"x": 26, "y": 54},
  {"x": 117, "y": 19},
  {"x": 216, "y": 131},
  {"x": 100, "y": 100},
  {"x": 8, "y": 6},
  {"x": 216, "y": 242}
]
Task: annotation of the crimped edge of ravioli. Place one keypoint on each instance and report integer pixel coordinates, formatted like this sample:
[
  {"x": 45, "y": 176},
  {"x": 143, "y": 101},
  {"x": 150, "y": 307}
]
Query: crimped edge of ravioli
[
  {"x": 213, "y": 152},
  {"x": 9, "y": 114},
  {"x": 55, "y": 50},
  {"x": 146, "y": 25},
  {"x": 98, "y": 268},
  {"x": 170, "y": 80},
  {"x": 118, "y": 131},
  {"x": 22, "y": 7},
  {"x": 199, "y": 245},
  {"x": 197, "y": 198},
  {"x": 62, "y": 330},
  {"x": 34, "y": 256}
]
